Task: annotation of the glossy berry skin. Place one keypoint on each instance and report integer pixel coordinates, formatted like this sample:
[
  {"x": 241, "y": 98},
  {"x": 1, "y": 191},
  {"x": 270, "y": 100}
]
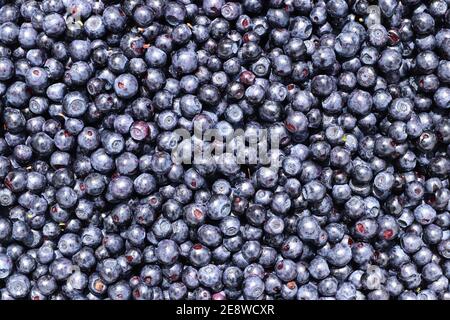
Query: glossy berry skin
[
  {"x": 322, "y": 126},
  {"x": 126, "y": 86},
  {"x": 167, "y": 252}
]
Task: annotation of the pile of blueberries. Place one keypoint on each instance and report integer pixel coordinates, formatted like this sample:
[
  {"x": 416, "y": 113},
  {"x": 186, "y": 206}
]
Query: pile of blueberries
[{"x": 92, "y": 205}]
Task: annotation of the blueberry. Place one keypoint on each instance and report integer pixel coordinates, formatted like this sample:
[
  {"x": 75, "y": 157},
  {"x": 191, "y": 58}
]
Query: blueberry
[
  {"x": 7, "y": 266},
  {"x": 253, "y": 287},
  {"x": 6, "y": 69},
  {"x": 126, "y": 86},
  {"x": 54, "y": 25},
  {"x": 18, "y": 285},
  {"x": 94, "y": 95}
]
